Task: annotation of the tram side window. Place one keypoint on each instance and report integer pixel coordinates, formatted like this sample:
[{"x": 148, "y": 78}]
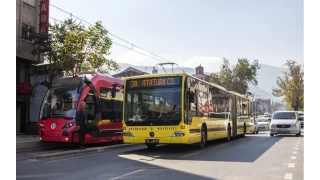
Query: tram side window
[
  {"x": 116, "y": 114},
  {"x": 106, "y": 109},
  {"x": 111, "y": 110},
  {"x": 90, "y": 106}
]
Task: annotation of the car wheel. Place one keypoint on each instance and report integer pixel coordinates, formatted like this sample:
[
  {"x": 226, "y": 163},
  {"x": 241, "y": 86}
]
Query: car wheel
[
  {"x": 257, "y": 132},
  {"x": 299, "y": 134},
  {"x": 271, "y": 134}
]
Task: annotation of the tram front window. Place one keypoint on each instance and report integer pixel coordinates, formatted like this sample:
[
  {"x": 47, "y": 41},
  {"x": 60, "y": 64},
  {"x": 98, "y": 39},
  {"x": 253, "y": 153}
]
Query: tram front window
[
  {"x": 60, "y": 102},
  {"x": 153, "y": 106}
]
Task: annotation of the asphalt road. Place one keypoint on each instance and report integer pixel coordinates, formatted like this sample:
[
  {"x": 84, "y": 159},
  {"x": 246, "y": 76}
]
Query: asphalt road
[{"x": 257, "y": 156}]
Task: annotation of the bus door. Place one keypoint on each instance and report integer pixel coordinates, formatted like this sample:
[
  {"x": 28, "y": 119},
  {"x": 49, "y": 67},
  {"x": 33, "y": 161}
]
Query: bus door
[{"x": 93, "y": 109}]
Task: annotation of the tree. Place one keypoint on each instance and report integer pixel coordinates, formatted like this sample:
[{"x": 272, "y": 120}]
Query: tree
[
  {"x": 75, "y": 48},
  {"x": 236, "y": 78},
  {"x": 276, "y": 106},
  {"x": 291, "y": 86}
]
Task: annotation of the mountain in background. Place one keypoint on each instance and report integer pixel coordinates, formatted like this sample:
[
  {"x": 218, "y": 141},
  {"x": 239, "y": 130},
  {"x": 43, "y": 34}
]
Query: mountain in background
[{"x": 267, "y": 77}]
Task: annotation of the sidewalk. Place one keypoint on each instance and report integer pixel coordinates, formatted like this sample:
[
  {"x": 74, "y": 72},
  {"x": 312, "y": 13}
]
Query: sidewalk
[{"x": 29, "y": 141}]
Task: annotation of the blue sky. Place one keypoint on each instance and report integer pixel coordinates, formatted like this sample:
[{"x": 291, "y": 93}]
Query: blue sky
[{"x": 193, "y": 32}]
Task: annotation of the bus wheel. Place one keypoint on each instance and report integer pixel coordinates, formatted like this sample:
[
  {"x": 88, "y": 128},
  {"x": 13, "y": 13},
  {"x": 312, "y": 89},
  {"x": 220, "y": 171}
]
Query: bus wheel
[
  {"x": 151, "y": 146},
  {"x": 244, "y": 130},
  {"x": 229, "y": 133},
  {"x": 203, "y": 137}
]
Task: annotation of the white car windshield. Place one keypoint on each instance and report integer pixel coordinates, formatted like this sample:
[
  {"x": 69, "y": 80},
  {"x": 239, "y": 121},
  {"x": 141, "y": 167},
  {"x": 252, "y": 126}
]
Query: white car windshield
[
  {"x": 284, "y": 115},
  {"x": 262, "y": 120}
]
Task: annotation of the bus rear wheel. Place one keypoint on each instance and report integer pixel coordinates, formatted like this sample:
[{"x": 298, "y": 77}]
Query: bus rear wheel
[
  {"x": 229, "y": 134},
  {"x": 244, "y": 130}
]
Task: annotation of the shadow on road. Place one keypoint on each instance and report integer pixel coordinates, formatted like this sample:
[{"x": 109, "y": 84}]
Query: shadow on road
[{"x": 246, "y": 149}]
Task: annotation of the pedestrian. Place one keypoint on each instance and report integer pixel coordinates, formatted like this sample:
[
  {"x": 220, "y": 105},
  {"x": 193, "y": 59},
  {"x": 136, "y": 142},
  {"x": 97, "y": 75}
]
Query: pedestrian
[{"x": 81, "y": 121}]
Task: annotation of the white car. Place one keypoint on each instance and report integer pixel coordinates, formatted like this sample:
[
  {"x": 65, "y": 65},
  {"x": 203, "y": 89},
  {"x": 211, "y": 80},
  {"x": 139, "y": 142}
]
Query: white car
[
  {"x": 263, "y": 123},
  {"x": 254, "y": 127},
  {"x": 285, "y": 122}
]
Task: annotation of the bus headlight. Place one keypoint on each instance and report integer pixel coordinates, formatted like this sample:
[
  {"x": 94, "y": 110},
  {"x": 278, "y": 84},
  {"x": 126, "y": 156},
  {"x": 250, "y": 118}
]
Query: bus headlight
[
  {"x": 129, "y": 134},
  {"x": 178, "y": 134},
  {"x": 68, "y": 125}
]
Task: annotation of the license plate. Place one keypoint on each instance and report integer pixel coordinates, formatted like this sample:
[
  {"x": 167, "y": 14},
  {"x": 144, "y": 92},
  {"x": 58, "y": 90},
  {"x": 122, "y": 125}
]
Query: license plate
[
  {"x": 283, "y": 130},
  {"x": 152, "y": 141}
]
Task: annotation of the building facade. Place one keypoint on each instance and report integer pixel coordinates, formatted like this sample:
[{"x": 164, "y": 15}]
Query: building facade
[
  {"x": 200, "y": 73},
  {"x": 27, "y": 20}
]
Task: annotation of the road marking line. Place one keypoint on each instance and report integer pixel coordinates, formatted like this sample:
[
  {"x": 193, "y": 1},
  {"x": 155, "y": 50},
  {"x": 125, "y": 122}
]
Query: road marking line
[
  {"x": 294, "y": 152},
  {"x": 291, "y": 165},
  {"x": 293, "y": 157},
  {"x": 127, "y": 174},
  {"x": 288, "y": 176},
  {"x": 295, "y": 148},
  {"x": 190, "y": 154}
]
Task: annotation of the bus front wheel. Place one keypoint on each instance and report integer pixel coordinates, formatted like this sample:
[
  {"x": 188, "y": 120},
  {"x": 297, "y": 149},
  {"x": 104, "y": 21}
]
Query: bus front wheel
[{"x": 203, "y": 137}]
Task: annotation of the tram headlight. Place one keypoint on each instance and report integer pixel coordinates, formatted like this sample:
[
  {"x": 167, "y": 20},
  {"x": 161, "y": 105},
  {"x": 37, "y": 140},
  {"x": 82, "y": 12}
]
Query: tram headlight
[
  {"x": 129, "y": 134},
  {"x": 68, "y": 125},
  {"x": 178, "y": 134}
]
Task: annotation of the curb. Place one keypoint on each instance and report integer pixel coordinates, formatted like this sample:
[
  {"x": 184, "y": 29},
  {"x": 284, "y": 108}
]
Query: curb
[{"x": 79, "y": 152}]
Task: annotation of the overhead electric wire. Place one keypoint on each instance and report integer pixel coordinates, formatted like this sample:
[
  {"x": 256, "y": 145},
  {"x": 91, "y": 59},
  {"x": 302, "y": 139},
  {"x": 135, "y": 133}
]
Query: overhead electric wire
[{"x": 133, "y": 45}]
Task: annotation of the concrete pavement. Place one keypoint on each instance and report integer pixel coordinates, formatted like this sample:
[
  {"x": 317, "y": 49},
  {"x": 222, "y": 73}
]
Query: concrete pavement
[{"x": 256, "y": 156}]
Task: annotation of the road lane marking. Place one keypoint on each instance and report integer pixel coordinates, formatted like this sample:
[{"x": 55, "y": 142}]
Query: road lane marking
[
  {"x": 295, "y": 148},
  {"x": 293, "y": 157},
  {"x": 127, "y": 174},
  {"x": 288, "y": 176},
  {"x": 190, "y": 154},
  {"x": 291, "y": 165},
  {"x": 294, "y": 152}
]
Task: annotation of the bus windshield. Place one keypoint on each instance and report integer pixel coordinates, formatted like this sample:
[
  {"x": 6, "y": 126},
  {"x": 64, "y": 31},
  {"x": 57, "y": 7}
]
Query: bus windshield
[
  {"x": 153, "y": 106},
  {"x": 60, "y": 102}
]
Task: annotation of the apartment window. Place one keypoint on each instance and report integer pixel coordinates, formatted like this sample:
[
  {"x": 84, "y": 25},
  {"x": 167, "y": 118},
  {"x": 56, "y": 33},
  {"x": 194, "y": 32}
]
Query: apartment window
[
  {"x": 30, "y": 2},
  {"x": 26, "y": 32}
]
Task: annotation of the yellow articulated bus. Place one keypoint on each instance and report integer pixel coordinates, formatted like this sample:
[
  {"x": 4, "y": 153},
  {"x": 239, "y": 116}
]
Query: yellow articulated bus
[
  {"x": 179, "y": 109},
  {"x": 243, "y": 113}
]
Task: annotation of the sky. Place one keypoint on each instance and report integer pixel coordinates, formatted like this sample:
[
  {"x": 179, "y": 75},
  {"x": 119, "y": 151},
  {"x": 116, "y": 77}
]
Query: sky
[{"x": 191, "y": 33}]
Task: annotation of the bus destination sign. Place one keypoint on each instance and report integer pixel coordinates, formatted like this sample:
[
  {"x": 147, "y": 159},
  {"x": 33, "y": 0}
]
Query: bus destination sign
[{"x": 154, "y": 82}]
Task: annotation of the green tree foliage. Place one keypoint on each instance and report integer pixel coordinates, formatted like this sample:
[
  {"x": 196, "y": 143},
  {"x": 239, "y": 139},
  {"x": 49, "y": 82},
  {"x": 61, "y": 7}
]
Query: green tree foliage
[
  {"x": 291, "y": 86},
  {"x": 236, "y": 77},
  {"x": 75, "y": 48}
]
